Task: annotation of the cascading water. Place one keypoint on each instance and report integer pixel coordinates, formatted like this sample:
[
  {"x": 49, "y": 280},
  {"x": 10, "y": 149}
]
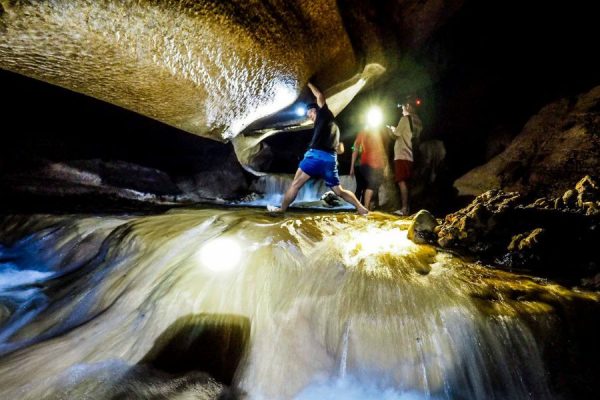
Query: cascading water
[
  {"x": 272, "y": 187},
  {"x": 321, "y": 306}
]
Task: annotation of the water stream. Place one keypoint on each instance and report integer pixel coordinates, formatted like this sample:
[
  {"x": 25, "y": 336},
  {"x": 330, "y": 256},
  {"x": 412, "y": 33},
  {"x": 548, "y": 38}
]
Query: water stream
[{"x": 319, "y": 305}]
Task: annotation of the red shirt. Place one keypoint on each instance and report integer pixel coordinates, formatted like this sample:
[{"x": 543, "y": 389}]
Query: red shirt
[{"x": 373, "y": 152}]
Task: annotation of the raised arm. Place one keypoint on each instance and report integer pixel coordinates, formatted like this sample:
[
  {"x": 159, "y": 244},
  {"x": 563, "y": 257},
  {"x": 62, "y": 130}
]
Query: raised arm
[{"x": 318, "y": 94}]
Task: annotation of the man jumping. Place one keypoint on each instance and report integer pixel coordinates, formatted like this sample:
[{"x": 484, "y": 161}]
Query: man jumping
[{"x": 320, "y": 161}]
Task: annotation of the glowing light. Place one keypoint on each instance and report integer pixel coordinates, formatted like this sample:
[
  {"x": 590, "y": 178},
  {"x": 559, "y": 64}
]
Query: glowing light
[
  {"x": 374, "y": 117},
  {"x": 278, "y": 97},
  {"x": 374, "y": 241},
  {"x": 220, "y": 254},
  {"x": 300, "y": 111},
  {"x": 418, "y": 102}
]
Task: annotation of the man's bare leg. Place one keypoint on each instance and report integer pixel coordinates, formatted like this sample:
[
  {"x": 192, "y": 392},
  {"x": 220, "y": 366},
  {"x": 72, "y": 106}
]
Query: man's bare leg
[
  {"x": 300, "y": 179},
  {"x": 368, "y": 198},
  {"x": 350, "y": 198},
  {"x": 404, "y": 196}
]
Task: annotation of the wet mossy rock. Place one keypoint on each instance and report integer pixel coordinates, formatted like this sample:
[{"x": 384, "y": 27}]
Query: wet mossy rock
[{"x": 422, "y": 228}]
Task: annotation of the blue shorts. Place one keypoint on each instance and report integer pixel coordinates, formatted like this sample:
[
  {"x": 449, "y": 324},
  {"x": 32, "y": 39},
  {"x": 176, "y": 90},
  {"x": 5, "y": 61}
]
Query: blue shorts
[{"x": 321, "y": 164}]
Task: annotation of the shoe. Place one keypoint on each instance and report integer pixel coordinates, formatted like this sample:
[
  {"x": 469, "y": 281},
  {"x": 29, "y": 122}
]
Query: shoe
[
  {"x": 272, "y": 208},
  {"x": 402, "y": 213}
]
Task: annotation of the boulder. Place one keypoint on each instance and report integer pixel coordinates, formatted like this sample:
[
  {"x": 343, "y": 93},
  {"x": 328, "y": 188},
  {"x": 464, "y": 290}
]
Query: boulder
[
  {"x": 422, "y": 228},
  {"x": 331, "y": 199}
]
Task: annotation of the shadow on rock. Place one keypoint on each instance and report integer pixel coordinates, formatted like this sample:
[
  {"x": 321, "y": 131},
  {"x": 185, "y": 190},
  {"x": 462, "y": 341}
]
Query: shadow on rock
[{"x": 211, "y": 343}]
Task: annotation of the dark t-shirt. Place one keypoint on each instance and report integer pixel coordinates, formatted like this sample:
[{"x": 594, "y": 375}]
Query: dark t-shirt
[{"x": 326, "y": 134}]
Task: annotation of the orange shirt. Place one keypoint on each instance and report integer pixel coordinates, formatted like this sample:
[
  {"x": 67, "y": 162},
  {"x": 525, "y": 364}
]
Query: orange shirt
[{"x": 373, "y": 152}]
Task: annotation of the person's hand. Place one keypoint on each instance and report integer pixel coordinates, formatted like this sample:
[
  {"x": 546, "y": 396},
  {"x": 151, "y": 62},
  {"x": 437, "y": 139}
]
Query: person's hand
[{"x": 352, "y": 171}]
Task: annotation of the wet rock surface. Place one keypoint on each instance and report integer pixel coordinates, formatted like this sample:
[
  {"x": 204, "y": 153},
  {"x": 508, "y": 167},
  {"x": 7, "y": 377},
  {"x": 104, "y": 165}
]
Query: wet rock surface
[
  {"x": 556, "y": 236},
  {"x": 422, "y": 228},
  {"x": 92, "y": 185},
  {"x": 208, "y": 68}
]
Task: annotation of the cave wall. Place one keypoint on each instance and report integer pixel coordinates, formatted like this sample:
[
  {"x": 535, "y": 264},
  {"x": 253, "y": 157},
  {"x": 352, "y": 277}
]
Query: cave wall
[
  {"x": 207, "y": 67},
  {"x": 556, "y": 148},
  {"x": 213, "y": 68}
]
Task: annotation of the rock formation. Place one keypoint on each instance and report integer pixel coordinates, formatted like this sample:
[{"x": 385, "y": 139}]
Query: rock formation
[
  {"x": 88, "y": 185},
  {"x": 213, "y": 68},
  {"x": 422, "y": 228},
  {"x": 209, "y": 68},
  {"x": 555, "y": 148},
  {"x": 556, "y": 236},
  {"x": 231, "y": 71}
]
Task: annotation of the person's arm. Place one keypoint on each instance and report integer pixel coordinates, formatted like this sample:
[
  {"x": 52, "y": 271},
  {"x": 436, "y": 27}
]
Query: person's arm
[
  {"x": 403, "y": 126},
  {"x": 390, "y": 131},
  {"x": 340, "y": 148},
  {"x": 318, "y": 94},
  {"x": 354, "y": 157},
  {"x": 356, "y": 149}
]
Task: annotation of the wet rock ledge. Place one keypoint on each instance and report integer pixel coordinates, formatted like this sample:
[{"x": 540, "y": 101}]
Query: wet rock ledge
[{"x": 554, "y": 237}]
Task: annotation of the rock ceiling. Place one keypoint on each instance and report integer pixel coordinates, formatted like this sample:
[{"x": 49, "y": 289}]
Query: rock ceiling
[{"x": 210, "y": 68}]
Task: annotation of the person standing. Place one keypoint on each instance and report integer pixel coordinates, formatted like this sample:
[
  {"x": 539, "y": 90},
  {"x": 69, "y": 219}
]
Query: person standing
[
  {"x": 361, "y": 183},
  {"x": 371, "y": 162},
  {"x": 320, "y": 161},
  {"x": 409, "y": 127}
]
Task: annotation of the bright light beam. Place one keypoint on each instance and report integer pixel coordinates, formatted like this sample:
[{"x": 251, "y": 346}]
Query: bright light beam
[
  {"x": 374, "y": 117},
  {"x": 220, "y": 254},
  {"x": 300, "y": 111}
]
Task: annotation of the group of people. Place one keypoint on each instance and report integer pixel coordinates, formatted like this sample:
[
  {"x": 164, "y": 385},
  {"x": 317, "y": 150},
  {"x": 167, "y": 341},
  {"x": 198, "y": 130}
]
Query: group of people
[{"x": 369, "y": 159}]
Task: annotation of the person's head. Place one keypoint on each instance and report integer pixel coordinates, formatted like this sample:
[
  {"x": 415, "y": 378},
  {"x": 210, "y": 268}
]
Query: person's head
[
  {"x": 311, "y": 111},
  {"x": 407, "y": 108}
]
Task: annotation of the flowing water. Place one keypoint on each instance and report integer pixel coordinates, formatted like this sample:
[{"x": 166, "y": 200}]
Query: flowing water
[
  {"x": 270, "y": 189},
  {"x": 305, "y": 306}
]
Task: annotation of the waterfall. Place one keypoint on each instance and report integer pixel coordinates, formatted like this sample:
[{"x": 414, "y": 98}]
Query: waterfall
[
  {"x": 344, "y": 358},
  {"x": 304, "y": 306},
  {"x": 272, "y": 187}
]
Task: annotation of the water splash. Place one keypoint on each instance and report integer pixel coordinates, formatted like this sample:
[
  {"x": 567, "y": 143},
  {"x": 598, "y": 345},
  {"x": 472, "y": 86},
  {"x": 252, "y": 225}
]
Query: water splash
[
  {"x": 352, "y": 389},
  {"x": 270, "y": 189},
  {"x": 330, "y": 312},
  {"x": 344, "y": 358}
]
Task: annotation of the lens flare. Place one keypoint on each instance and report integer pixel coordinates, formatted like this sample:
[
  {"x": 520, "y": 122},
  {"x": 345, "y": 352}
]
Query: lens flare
[
  {"x": 220, "y": 255},
  {"x": 300, "y": 111},
  {"x": 374, "y": 117}
]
